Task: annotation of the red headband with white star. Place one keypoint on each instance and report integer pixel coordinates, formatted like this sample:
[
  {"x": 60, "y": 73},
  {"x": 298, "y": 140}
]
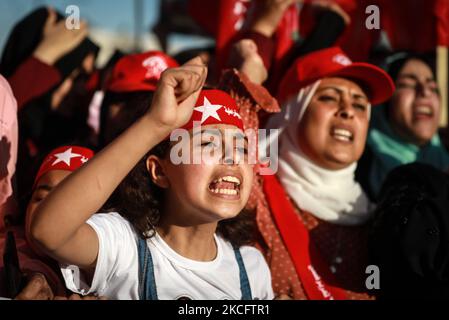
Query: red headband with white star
[
  {"x": 68, "y": 158},
  {"x": 215, "y": 107}
]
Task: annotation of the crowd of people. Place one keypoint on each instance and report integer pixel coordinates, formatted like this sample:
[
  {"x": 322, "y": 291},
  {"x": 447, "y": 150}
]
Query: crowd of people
[{"x": 93, "y": 205}]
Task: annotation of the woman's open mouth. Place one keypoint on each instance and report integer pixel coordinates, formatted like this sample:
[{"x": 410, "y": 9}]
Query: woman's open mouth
[
  {"x": 342, "y": 134},
  {"x": 423, "y": 112},
  {"x": 226, "y": 187}
]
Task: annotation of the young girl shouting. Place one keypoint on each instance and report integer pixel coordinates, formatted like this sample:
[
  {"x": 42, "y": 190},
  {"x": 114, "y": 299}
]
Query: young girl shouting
[{"x": 171, "y": 237}]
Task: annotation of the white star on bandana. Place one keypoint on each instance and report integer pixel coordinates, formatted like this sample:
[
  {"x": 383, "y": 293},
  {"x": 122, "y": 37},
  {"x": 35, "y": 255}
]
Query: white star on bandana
[
  {"x": 209, "y": 110},
  {"x": 65, "y": 157}
]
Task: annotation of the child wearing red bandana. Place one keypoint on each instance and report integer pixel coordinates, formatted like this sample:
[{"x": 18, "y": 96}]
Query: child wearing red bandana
[
  {"x": 44, "y": 282},
  {"x": 174, "y": 232}
]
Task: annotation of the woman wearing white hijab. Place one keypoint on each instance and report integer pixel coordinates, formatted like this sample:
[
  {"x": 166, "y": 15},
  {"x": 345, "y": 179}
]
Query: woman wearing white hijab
[{"x": 319, "y": 213}]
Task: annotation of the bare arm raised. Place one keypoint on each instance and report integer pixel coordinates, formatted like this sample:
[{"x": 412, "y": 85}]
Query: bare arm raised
[
  {"x": 59, "y": 225},
  {"x": 57, "y": 39}
]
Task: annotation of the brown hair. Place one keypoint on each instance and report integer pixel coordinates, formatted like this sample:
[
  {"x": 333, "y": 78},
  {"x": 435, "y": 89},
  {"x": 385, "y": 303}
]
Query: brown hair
[{"x": 139, "y": 200}]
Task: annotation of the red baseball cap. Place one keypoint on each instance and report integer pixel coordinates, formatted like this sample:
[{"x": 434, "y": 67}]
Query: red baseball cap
[
  {"x": 215, "y": 107},
  {"x": 333, "y": 62},
  {"x": 68, "y": 158},
  {"x": 139, "y": 72}
]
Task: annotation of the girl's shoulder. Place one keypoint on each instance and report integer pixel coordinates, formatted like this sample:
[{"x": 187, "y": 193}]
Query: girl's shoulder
[
  {"x": 111, "y": 217},
  {"x": 257, "y": 269},
  {"x": 254, "y": 260},
  {"x": 250, "y": 254},
  {"x": 112, "y": 223},
  {"x": 251, "y": 251}
]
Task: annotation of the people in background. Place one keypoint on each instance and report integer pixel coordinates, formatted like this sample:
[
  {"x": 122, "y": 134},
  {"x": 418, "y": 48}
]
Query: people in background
[
  {"x": 48, "y": 67},
  {"x": 405, "y": 128},
  {"x": 41, "y": 274}
]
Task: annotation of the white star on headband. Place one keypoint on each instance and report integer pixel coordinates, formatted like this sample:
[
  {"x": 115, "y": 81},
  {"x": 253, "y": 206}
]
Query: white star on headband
[
  {"x": 65, "y": 157},
  {"x": 209, "y": 110}
]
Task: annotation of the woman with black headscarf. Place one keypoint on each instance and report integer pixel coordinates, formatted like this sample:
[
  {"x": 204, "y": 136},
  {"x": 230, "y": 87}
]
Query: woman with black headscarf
[
  {"x": 405, "y": 129},
  {"x": 48, "y": 67},
  {"x": 35, "y": 56}
]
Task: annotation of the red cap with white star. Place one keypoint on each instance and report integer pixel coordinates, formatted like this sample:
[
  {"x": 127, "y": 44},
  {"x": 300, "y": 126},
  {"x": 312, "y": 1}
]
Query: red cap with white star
[
  {"x": 139, "y": 72},
  {"x": 215, "y": 107},
  {"x": 68, "y": 158},
  {"x": 333, "y": 62}
]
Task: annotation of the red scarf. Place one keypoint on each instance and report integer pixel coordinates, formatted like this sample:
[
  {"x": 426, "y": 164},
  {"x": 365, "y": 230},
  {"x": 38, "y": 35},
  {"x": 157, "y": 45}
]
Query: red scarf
[{"x": 314, "y": 277}]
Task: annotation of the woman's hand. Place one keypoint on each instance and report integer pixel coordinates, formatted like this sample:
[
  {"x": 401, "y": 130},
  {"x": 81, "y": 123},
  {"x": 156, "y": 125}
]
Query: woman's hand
[
  {"x": 38, "y": 289},
  {"x": 176, "y": 95},
  {"x": 58, "y": 40},
  {"x": 245, "y": 58}
]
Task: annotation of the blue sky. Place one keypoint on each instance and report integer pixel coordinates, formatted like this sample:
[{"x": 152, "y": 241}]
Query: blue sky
[{"x": 115, "y": 15}]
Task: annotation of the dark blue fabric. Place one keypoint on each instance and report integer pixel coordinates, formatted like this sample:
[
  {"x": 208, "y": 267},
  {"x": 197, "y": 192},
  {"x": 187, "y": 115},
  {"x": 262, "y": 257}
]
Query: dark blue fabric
[
  {"x": 244, "y": 282},
  {"x": 147, "y": 282}
]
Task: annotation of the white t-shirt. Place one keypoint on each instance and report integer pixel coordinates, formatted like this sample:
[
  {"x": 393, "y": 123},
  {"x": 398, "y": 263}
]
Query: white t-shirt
[{"x": 116, "y": 273}]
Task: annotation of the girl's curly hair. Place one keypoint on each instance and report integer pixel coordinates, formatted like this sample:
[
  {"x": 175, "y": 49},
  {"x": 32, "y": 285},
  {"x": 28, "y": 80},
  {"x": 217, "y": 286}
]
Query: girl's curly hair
[{"x": 139, "y": 200}]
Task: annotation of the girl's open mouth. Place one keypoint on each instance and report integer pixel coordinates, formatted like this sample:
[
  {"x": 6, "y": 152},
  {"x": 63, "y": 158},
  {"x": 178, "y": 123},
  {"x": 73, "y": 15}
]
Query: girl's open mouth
[{"x": 228, "y": 186}]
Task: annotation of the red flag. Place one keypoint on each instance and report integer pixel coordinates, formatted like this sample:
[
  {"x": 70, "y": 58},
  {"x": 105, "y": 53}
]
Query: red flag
[
  {"x": 413, "y": 25},
  {"x": 223, "y": 19},
  {"x": 287, "y": 32},
  {"x": 409, "y": 24},
  {"x": 442, "y": 16},
  {"x": 200, "y": 10},
  {"x": 357, "y": 40}
]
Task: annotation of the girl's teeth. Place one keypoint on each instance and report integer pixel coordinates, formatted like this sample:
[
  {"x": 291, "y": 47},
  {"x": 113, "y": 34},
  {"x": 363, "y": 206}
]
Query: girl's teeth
[
  {"x": 228, "y": 179},
  {"x": 225, "y": 191},
  {"x": 232, "y": 179}
]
